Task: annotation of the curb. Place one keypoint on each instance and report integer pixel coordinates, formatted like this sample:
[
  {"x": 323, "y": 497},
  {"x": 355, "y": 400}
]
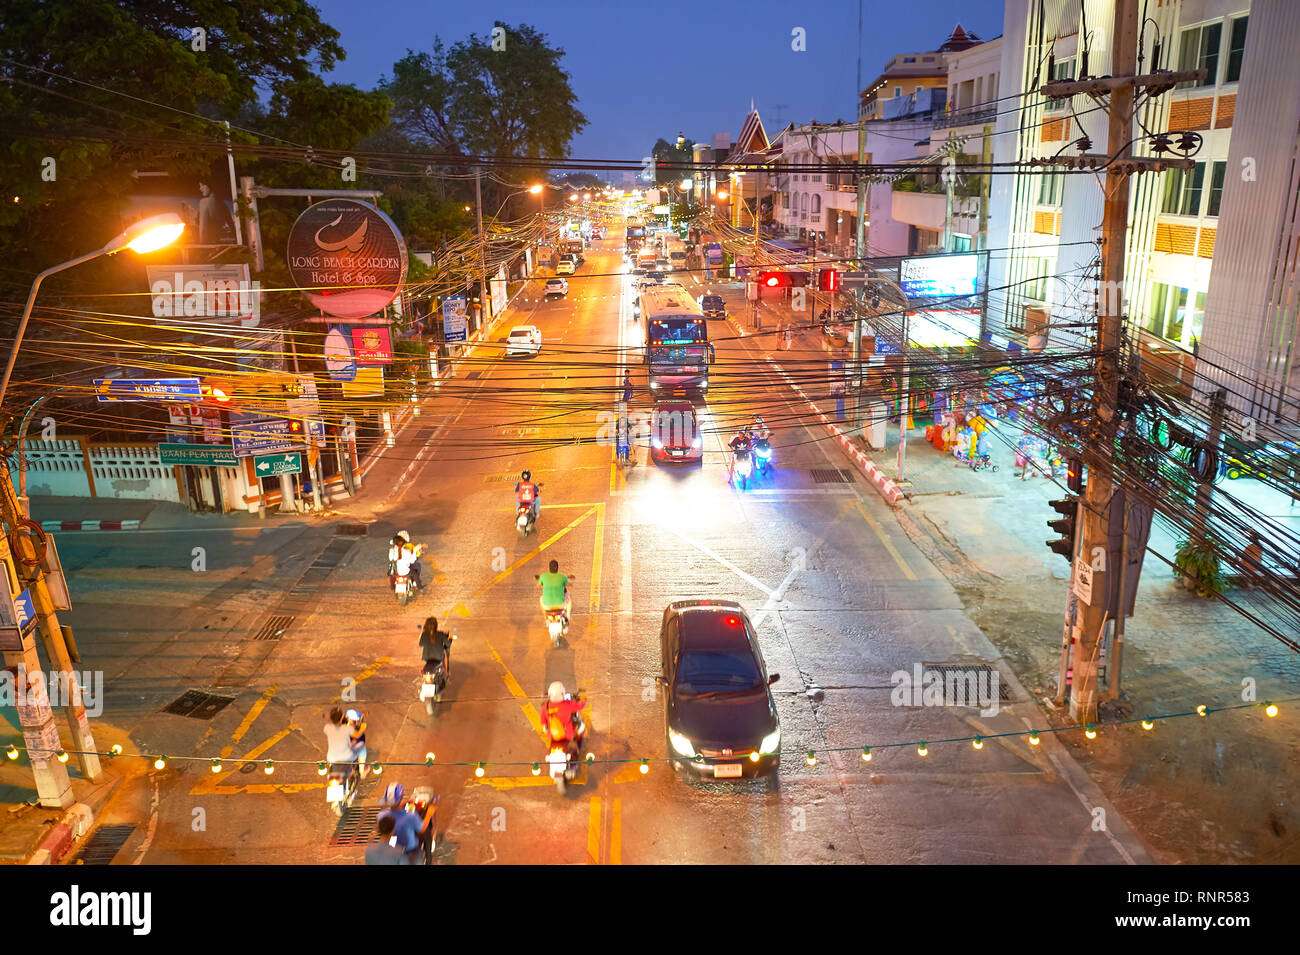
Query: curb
[
  {"x": 75, "y": 824},
  {"x": 90, "y": 525}
]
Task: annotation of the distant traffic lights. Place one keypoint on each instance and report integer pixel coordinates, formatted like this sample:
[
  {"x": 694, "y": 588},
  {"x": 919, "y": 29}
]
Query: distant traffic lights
[
  {"x": 774, "y": 279},
  {"x": 1067, "y": 526},
  {"x": 1074, "y": 475},
  {"x": 828, "y": 280}
]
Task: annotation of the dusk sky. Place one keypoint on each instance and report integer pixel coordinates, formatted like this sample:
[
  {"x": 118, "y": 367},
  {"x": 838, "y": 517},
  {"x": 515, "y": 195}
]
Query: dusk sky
[{"x": 646, "y": 70}]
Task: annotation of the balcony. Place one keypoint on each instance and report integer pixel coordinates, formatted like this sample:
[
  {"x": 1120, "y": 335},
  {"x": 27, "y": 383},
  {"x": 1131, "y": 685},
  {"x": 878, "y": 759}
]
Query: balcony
[
  {"x": 924, "y": 210},
  {"x": 970, "y": 116}
]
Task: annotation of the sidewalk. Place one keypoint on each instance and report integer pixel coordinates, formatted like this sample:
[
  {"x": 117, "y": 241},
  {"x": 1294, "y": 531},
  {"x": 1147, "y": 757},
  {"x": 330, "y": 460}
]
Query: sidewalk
[{"x": 1219, "y": 790}]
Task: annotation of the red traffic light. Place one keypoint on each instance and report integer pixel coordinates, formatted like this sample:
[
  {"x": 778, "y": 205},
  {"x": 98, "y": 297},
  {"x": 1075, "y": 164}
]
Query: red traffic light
[
  {"x": 828, "y": 280},
  {"x": 294, "y": 426},
  {"x": 774, "y": 279}
]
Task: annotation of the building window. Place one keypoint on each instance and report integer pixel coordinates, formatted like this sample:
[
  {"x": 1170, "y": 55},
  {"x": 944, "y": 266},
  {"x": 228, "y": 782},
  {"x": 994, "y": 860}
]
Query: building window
[
  {"x": 1199, "y": 49},
  {"x": 1217, "y": 171},
  {"x": 816, "y": 204},
  {"x": 1183, "y": 191},
  {"x": 1063, "y": 70},
  {"x": 1170, "y": 317},
  {"x": 817, "y": 178},
  {"x": 1050, "y": 186},
  {"x": 1036, "y": 286},
  {"x": 1236, "y": 50},
  {"x": 909, "y": 59},
  {"x": 960, "y": 243},
  {"x": 898, "y": 91}
]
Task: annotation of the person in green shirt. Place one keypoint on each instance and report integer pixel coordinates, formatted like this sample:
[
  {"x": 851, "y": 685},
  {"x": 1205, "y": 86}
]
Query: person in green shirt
[{"x": 555, "y": 590}]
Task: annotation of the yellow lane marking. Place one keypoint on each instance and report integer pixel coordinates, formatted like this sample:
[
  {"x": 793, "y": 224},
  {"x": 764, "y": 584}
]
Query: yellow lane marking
[
  {"x": 628, "y": 774},
  {"x": 517, "y": 691},
  {"x": 536, "y": 550},
  {"x": 888, "y": 545},
  {"x": 597, "y": 559},
  {"x": 210, "y": 785},
  {"x": 593, "y": 832},
  {"x": 374, "y": 668},
  {"x": 616, "y": 834},
  {"x": 512, "y": 782},
  {"x": 253, "y": 713}
]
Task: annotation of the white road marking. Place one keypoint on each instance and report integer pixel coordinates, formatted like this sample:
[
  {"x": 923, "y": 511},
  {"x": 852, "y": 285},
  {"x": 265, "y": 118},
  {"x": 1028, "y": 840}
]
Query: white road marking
[{"x": 752, "y": 581}]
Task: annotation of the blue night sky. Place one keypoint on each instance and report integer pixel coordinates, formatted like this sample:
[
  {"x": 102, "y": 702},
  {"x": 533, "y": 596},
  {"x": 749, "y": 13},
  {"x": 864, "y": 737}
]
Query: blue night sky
[{"x": 647, "y": 70}]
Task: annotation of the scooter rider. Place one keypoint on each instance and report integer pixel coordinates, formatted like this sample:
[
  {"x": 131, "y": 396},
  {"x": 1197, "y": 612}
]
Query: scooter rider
[
  {"x": 409, "y": 829},
  {"x": 562, "y": 717},
  {"x": 338, "y": 739},
  {"x": 404, "y": 558},
  {"x": 741, "y": 442},
  {"x": 555, "y": 591},
  {"x": 526, "y": 492},
  {"x": 435, "y": 644}
]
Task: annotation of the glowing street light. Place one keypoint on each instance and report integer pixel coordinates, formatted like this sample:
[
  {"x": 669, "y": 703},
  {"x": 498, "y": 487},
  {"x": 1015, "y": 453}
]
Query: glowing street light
[
  {"x": 147, "y": 235},
  {"x": 535, "y": 189}
]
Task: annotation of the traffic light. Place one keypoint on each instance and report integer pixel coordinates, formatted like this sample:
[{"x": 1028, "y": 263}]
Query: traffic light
[
  {"x": 774, "y": 279},
  {"x": 1066, "y": 526},
  {"x": 217, "y": 392},
  {"x": 1074, "y": 475},
  {"x": 828, "y": 280}
]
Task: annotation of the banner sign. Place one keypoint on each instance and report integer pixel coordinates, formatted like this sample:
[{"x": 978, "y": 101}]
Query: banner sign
[
  {"x": 454, "y": 326},
  {"x": 222, "y": 293},
  {"x": 145, "y": 389},
  {"x": 271, "y": 436},
  {"x": 339, "y": 361},
  {"x": 348, "y": 256},
  {"x": 369, "y": 381},
  {"x": 939, "y": 276},
  {"x": 713, "y": 253},
  {"x": 198, "y": 455},
  {"x": 372, "y": 345}
]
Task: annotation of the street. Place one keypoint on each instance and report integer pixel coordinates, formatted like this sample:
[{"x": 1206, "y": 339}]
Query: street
[{"x": 840, "y": 596}]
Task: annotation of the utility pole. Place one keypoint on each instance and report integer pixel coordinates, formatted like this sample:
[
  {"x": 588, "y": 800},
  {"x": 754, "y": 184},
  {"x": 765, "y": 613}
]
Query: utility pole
[
  {"x": 482, "y": 241},
  {"x": 860, "y": 244},
  {"x": 1098, "y": 447}
]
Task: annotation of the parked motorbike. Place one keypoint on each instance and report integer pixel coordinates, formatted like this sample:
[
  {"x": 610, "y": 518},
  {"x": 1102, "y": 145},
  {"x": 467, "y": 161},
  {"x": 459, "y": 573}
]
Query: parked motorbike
[{"x": 341, "y": 786}]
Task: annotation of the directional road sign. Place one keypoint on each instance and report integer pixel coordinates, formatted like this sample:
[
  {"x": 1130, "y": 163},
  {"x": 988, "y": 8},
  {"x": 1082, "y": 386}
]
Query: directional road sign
[
  {"x": 198, "y": 455},
  {"x": 273, "y": 464},
  {"x": 271, "y": 436},
  {"x": 146, "y": 389}
]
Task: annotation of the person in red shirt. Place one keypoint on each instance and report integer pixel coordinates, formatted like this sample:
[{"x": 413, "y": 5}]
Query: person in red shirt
[
  {"x": 562, "y": 717},
  {"x": 526, "y": 492}
]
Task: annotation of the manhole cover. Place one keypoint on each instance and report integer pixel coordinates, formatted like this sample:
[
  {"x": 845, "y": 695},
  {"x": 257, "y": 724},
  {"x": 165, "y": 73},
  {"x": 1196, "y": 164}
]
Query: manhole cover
[
  {"x": 350, "y": 530},
  {"x": 246, "y": 768},
  {"x": 960, "y": 680},
  {"x": 832, "y": 476},
  {"x": 104, "y": 843},
  {"x": 357, "y": 827},
  {"x": 198, "y": 704},
  {"x": 274, "y": 628}
]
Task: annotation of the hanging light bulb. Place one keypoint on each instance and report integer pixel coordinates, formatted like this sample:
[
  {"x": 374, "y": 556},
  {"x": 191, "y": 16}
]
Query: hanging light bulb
[
  {"x": 1270, "y": 709},
  {"x": 1090, "y": 731},
  {"x": 922, "y": 750},
  {"x": 268, "y": 767},
  {"x": 537, "y": 769},
  {"x": 811, "y": 758},
  {"x": 1147, "y": 724},
  {"x": 428, "y": 759},
  {"x": 977, "y": 743},
  {"x": 12, "y": 751},
  {"x": 160, "y": 762},
  {"x": 216, "y": 765},
  {"x": 321, "y": 768},
  {"x": 478, "y": 770},
  {"x": 645, "y": 766},
  {"x": 1033, "y": 738},
  {"x": 115, "y": 749},
  {"x": 866, "y": 754},
  {"x": 1200, "y": 710},
  {"x": 61, "y": 756},
  {"x": 376, "y": 768}
]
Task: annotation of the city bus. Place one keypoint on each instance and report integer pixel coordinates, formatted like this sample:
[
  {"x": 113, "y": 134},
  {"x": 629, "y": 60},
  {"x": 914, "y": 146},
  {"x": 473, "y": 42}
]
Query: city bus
[{"x": 678, "y": 351}]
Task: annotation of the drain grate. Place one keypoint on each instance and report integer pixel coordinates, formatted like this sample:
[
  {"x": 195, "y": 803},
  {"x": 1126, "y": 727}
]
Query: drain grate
[
  {"x": 501, "y": 478},
  {"x": 104, "y": 843},
  {"x": 274, "y": 628},
  {"x": 470, "y": 376},
  {"x": 357, "y": 827},
  {"x": 351, "y": 530},
  {"x": 956, "y": 675},
  {"x": 198, "y": 704},
  {"x": 832, "y": 476},
  {"x": 323, "y": 565}
]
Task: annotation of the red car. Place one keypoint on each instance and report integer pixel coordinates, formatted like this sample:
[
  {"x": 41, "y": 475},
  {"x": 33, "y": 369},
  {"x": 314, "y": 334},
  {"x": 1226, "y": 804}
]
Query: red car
[{"x": 675, "y": 433}]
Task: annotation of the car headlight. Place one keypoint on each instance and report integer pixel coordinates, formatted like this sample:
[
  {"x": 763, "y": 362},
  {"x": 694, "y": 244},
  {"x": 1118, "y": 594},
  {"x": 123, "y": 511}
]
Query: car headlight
[
  {"x": 681, "y": 745},
  {"x": 654, "y": 384},
  {"x": 698, "y": 442},
  {"x": 770, "y": 742}
]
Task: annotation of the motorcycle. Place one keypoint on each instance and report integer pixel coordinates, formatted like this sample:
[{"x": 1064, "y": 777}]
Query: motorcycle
[
  {"x": 341, "y": 786},
  {"x": 524, "y": 517},
  {"x": 743, "y": 467},
  {"x": 404, "y": 586},
  {"x": 557, "y": 621},
  {"x": 422, "y": 798},
  {"x": 562, "y": 757},
  {"x": 763, "y": 455}
]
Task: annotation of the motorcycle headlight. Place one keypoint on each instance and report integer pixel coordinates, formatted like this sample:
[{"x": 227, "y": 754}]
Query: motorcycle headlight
[
  {"x": 770, "y": 742},
  {"x": 681, "y": 745}
]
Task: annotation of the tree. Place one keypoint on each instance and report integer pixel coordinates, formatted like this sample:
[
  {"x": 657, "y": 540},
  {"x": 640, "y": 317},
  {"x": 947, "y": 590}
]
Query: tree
[
  {"x": 665, "y": 152},
  {"x": 474, "y": 99}
]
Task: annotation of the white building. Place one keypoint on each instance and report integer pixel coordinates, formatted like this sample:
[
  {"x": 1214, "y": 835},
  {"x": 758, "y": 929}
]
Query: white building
[{"x": 1048, "y": 225}]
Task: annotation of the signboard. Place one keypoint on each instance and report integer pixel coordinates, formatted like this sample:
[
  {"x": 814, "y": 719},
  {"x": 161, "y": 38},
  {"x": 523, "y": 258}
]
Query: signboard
[
  {"x": 273, "y": 436},
  {"x": 198, "y": 455},
  {"x": 369, "y": 381},
  {"x": 348, "y": 256},
  {"x": 454, "y": 327},
  {"x": 315, "y": 431},
  {"x": 339, "y": 361},
  {"x": 938, "y": 276},
  {"x": 277, "y": 464},
  {"x": 713, "y": 253},
  {"x": 145, "y": 389},
  {"x": 372, "y": 345},
  {"x": 307, "y": 404},
  {"x": 1083, "y": 580},
  {"x": 219, "y": 293},
  {"x": 660, "y": 210},
  {"x": 884, "y": 347}
]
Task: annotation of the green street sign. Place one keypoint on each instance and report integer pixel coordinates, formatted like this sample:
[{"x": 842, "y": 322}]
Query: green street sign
[
  {"x": 270, "y": 465},
  {"x": 199, "y": 455}
]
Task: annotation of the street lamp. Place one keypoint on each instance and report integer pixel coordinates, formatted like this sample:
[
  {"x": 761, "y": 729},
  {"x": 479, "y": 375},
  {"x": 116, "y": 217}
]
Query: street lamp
[{"x": 147, "y": 235}]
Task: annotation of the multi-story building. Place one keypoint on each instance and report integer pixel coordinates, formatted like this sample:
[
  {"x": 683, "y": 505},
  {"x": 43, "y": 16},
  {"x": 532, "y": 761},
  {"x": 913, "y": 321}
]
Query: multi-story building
[
  {"x": 1047, "y": 223},
  {"x": 818, "y": 208},
  {"x": 743, "y": 173}
]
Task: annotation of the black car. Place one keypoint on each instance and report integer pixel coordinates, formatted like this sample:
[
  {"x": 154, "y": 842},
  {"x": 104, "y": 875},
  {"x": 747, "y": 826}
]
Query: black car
[
  {"x": 712, "y": 306},
  {"x": 719, "y": 717},
  {"x": 656, "y": 276}
]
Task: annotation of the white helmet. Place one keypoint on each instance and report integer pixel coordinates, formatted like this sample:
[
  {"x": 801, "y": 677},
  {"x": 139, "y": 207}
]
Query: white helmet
[
  {"x": 405, "y": 535},
  {"x": 555, "y": 693}
]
